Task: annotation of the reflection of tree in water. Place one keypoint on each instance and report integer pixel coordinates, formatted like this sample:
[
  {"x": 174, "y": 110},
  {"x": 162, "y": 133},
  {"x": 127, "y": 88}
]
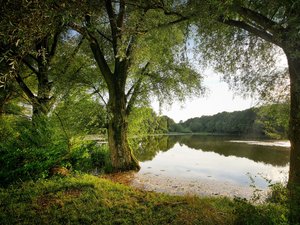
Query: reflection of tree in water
[
  {"x": 276, "y": 156},
  {"x": 147, "y": 147}
]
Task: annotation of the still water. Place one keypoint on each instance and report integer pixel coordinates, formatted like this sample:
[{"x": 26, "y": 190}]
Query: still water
[{"x": 210, "y": 164}]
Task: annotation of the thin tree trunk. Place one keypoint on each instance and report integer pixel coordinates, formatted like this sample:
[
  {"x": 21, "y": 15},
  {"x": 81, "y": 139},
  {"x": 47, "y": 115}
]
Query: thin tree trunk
[{"x": 294, "y": 136}]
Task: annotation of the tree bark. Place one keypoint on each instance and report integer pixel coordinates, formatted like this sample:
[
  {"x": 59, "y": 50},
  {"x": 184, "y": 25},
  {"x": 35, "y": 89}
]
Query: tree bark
[
  {"x": 122, "y": 158},
  {"x": 294, "y": 135},
  {"x": 41, "y": 104}
]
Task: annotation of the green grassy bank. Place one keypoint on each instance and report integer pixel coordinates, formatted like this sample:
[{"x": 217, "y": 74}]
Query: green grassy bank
[{"x": 87, "y": 199}]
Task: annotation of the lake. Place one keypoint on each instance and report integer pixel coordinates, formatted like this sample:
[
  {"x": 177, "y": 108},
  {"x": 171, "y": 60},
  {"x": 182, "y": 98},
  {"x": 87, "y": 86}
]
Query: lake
[{"x": 210, "y": 165}]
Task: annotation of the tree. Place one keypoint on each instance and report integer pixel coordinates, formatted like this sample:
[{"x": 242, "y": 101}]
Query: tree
[
  {"x": 274, "y": 120},
  {"x": 121, "y": 35},
  {"x": 254, "y": 28},
  {"x": 30, "y": 34},
  {"x": 39, "y": 65}
]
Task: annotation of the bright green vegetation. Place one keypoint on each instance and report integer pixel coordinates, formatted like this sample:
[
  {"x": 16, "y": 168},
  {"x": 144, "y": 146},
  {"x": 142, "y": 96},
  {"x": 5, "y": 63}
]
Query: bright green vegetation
[
  {"x": 86, "y": 199},
  {"x": 28, "y": 153},
  {"x": 71, "y": 68},
  {"x": 266, "y": 121}
]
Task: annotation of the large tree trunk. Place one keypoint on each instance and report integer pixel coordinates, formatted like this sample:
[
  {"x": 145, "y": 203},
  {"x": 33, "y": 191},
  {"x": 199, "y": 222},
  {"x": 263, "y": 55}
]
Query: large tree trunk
[
  {"x": 122, "y": 158},
  {"x": 294, "y": 135}
]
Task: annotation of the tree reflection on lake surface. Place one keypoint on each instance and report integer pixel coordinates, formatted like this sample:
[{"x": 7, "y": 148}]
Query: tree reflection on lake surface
[{"x": 213, "y": 158}]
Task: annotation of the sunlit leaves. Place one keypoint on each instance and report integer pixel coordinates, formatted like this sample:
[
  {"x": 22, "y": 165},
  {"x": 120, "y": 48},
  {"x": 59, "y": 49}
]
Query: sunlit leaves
[{"x": 79, "y": 114}]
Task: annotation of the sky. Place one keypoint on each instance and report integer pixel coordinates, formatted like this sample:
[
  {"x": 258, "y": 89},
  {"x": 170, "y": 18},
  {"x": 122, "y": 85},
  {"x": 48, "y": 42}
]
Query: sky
[{"x": 218, "y": 99}]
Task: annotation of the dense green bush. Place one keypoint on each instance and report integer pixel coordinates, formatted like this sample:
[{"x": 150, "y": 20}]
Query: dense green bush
[
  {"x": 31, "y": 163},
  {"x": 30, "y": 152},
  {"x": 28, "y": 163},
  {"x": 89, "y": 156}
]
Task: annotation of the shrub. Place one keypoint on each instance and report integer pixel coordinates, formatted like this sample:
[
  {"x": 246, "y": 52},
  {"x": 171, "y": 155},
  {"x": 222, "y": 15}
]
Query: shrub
[
  {"x": 263, "y": 214},
  {"x": 278, "y": 194},
  {"x": 88, "y": 156},
  {"x": 28, "y": 163},
  {"x": 28, "y": 152}
]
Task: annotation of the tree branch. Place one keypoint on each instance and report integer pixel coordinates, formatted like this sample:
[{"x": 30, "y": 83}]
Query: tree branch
[
  {"x": 100, "y": 59},
  {"x": 54, "y": 45},
  {"x": 166, "y": 24},
  {"x": 121, "y": 14},
  {"x": 33, "y": 57},
  {"x": 97, "y": 52},
  {"x": 113, "y": 24},
  {"x": 96, "y": 91},
  {"x": 64, "y": 130},
  {"x": 160, "y": 5},
  {"x": 24, "y": 87},
  {"x": 68, "y": 63},
  {"x": 135, "y": 90},
  {"x": 130, "y": 46},
  {"x": 260, "y": 33},
  {"x": 30, "y": 66},
  {"x": 104, "y": 36},
  {"x": 258, "y": 18}
]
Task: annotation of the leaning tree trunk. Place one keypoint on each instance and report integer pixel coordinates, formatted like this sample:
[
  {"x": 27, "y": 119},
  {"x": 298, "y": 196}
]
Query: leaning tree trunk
[
  {"x": 122, "y": 158},
  {"x": 294, "y": 136}
]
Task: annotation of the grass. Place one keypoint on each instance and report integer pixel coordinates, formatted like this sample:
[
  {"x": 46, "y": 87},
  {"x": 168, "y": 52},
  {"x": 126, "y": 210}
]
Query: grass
[{"x": 87, "y": 199}]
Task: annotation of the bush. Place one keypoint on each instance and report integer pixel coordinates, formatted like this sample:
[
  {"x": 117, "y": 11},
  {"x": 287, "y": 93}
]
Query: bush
[
  {"x": 28, "y": 163},
  {"x": 34, "y": 162},
  {"x": 88, "y": 156},
  {"x": 28, "y": 152},
  {"x": 264, "y": 214},
  {"x": 11, "y": 128},
  {"x": 278, "y": 194}
]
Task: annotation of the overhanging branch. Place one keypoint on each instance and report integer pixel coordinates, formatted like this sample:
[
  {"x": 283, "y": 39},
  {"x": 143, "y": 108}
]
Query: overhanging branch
[
  {"x": 258, "y": 18},
  {"x": 260, "y": 33}
]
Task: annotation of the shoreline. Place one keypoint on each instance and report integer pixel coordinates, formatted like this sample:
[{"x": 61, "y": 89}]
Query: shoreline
[{"x": 185, "y": 186}]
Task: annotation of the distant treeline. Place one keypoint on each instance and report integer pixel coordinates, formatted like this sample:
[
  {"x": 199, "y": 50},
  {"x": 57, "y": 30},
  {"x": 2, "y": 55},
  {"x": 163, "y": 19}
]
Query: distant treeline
[{"x": 265, "y": 121}]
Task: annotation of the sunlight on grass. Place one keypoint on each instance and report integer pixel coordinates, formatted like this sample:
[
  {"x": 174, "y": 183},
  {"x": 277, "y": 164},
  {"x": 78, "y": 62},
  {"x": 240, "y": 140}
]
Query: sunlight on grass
[{"x": 87, "y": 199}]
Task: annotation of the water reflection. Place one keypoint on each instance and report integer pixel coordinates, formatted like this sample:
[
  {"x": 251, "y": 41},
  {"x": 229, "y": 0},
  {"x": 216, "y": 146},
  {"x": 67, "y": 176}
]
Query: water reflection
[
  {"x": 148, "y": 147},
  {"x": 212, "y": 158},
  {"x": 222, "y": 145}
]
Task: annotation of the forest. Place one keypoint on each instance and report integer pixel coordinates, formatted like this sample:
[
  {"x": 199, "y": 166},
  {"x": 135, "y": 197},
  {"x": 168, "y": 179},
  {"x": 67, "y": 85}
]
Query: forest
[
  {"x": 269, "y": 121},
  {"x": 76, "y": 73}
]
